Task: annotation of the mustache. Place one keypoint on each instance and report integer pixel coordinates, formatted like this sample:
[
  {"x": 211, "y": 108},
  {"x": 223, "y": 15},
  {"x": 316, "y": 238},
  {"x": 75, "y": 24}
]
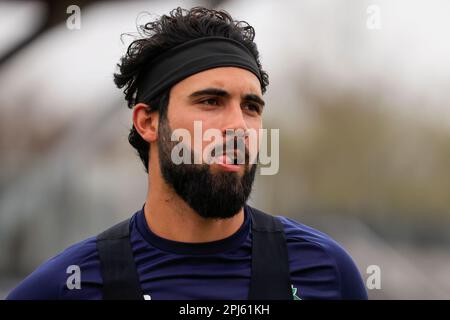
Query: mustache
[
  {"x": 237, "y": 149},
  {"x": 238, "y": 153}
]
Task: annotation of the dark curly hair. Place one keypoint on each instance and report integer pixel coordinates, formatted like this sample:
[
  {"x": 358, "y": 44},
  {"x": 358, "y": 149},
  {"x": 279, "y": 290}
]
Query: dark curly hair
[{"x": 179, "y": 26}]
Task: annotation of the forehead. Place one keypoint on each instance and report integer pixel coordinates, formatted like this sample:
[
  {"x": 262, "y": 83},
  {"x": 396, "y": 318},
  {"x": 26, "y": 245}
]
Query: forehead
[{"x": 232, "y": 79}]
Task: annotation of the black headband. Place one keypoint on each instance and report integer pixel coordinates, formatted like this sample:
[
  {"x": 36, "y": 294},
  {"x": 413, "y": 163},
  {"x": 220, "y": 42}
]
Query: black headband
[{"x": 192, "y": 57}]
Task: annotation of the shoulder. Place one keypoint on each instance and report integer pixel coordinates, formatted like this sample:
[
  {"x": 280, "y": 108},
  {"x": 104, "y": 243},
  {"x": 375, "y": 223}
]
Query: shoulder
[
  {"x": 315, "y": 254},
  {"x": 49, "y": 281}
]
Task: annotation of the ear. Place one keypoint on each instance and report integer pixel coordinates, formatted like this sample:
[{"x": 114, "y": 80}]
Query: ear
[{"x": 146, "y": 122}]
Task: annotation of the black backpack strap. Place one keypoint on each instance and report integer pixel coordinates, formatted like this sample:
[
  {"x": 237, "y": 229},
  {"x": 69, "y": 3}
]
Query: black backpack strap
[
  {"x": 270, "y": 278},
  {"x": 119, "y": 273}
]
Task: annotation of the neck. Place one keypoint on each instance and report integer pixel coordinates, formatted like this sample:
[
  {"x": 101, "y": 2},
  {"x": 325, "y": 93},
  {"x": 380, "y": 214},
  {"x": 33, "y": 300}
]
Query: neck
[{"x": 170, "y": 217}]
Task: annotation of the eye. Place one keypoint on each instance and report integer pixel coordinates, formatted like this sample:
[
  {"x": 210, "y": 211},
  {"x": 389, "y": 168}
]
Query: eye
[
  {"x": 210, "y": 101},
  {"x": 252, "y": 107}
]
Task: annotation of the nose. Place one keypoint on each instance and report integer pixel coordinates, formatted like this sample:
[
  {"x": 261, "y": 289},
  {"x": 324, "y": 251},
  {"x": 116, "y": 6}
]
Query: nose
[{"x": 233, "y": 118}]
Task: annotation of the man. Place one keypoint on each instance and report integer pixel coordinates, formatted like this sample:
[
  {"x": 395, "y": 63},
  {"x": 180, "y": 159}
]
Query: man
[{"x": 195, "y": 237}]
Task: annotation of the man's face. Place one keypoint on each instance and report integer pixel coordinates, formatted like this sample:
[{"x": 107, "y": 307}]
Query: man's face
[{"x": 222, "y": 99}]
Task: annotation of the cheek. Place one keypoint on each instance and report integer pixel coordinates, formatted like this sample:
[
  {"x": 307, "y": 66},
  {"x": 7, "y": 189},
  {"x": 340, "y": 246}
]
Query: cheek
[
  {"x": 254, "y": 140},
  {"x": 184, "y": 116},
  {"x": 196, "y": 122},
  {"x": 255, "y": 124}
]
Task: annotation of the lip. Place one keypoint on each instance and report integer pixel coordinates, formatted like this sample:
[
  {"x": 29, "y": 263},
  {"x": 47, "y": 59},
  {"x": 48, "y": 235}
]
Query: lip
[
  {"x": 225, "y": 166},
  {"x": 229, "y": 167}
]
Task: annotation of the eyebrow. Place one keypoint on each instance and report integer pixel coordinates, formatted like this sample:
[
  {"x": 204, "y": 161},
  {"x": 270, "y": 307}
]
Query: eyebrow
[
  {"x": 222, "y": 93},
  {"x": 210, "y": 92},
  {"x": 254, "y": 98}
]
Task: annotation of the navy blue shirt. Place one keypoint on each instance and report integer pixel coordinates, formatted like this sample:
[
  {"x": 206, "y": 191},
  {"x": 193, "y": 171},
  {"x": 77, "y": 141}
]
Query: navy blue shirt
[{"x": 320, "y": 268}]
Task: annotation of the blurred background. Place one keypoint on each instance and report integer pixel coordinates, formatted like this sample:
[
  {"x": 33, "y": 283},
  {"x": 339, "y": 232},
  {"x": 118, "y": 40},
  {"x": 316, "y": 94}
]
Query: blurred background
[{"x": 360, "y": 91}]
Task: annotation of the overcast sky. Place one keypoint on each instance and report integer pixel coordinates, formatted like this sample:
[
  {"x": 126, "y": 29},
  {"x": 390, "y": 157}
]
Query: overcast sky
[{"x": 68, "y": 72}]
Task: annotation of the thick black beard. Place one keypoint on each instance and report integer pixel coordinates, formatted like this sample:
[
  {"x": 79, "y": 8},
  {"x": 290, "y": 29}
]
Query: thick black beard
[{"x": 215, "y": 196}]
